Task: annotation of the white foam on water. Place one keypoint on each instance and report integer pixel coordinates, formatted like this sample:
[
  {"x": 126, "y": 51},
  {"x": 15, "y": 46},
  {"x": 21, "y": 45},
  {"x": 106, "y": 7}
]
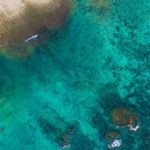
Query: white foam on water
[
  {"x": 134, "y": 128},
  {"x": 115, "y": 143},
  {"x": 32, "y": 37},
  {"x": 131, "y": 127}
]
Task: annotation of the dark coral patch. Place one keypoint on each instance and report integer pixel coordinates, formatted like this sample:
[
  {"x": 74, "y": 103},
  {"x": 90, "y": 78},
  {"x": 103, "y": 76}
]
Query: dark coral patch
[{"x": 112, "y": 135}]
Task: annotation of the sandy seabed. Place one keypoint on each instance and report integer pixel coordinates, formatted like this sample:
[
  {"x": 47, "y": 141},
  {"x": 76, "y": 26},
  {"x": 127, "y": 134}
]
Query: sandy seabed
[{"x": 21, "y": 19}]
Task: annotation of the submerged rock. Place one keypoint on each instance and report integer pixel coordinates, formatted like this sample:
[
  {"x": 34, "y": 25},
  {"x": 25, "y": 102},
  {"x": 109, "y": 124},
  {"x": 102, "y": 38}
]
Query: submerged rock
[
  {"x": 56, "y": 130},
  {"x": 22, "y": 19},
  {"x": 112, "y": 135},
  {"x": 123, "y": 117},
  {"x": 64, "y": 137}
]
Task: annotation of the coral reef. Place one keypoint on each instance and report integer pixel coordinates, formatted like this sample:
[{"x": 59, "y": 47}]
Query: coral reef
[
  {"x": 91, "y": 77},
  {"x": 112, "y": 135},
  {"x": 124, "y": 117}
]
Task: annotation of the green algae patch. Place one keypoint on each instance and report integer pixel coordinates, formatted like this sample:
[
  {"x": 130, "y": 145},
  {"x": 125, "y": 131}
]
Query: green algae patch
[{"x": 19, "y": 51}]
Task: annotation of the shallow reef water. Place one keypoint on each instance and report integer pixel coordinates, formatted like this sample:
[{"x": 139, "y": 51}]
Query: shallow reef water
[{"x": 64, "y": 94}]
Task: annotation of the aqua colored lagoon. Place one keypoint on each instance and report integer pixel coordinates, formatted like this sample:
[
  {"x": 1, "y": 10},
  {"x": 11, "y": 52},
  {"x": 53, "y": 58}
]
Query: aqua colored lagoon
[{"x": 64, "y": 93}]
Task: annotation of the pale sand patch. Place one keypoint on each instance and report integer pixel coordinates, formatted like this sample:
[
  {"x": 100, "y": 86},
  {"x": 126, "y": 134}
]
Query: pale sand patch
[
  {"x": 22, "y": 19},
  {"x": 11, "y": 8},
  {"x": 39, "y": 2}
]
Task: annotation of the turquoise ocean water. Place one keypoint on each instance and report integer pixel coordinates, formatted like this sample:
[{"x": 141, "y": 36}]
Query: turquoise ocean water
[{"x": 97, "y": 61}]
